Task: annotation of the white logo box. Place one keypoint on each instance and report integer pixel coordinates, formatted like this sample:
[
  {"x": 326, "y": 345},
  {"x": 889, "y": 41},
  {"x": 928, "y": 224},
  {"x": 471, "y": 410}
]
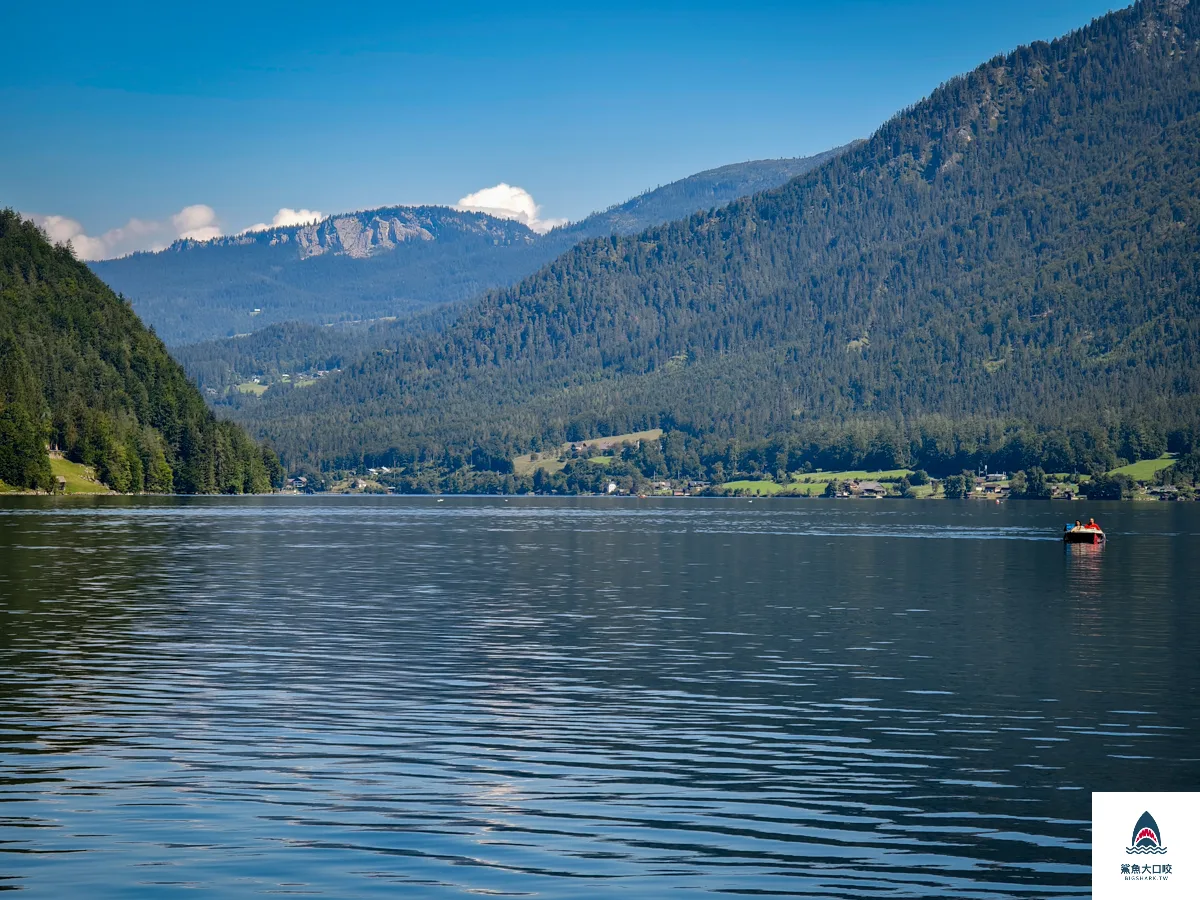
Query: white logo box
[{"x": 1151, "y": 857}]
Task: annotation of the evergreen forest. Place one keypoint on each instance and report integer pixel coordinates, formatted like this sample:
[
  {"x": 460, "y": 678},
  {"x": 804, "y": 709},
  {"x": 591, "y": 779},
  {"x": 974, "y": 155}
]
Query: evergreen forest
[
  {"x": 1008, "y": 271},
  {"x": 81, "y": 376},
  {"x": 393, "y": 261}
]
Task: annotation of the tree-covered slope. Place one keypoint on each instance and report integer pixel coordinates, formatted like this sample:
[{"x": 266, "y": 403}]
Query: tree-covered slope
[
  {"x": 696, "y": 193},
  {"x": 79, "y": 372},
  {"x": 385, "y": 262},
  {"x": 1024, "y": 243},
  {"x": 218, "y": 366}
]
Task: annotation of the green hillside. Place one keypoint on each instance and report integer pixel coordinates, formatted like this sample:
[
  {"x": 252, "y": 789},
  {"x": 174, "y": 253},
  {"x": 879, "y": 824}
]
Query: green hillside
[
  {"x": 1146, "y": 469},
  {"x": 79, "y": 371},
  {"x": 702, "y": 191},
  {"x": 76, "y": 478},
  {"x": 1017, "y": 254},
  {"x": 193, "y": 292}
]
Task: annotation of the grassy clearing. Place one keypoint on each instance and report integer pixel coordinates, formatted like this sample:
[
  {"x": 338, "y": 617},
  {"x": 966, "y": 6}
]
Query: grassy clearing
[
  {"x": 758, "y": 488},
  {"x": 528, "y": 463},
  {"x": 851, "y": 475},
  {"x": 1145, "y": 469},
  {"x": 807, "y": 489},
  {"x": 617, "y": 440},
  {"x": 251, "y": 387},
  {"x": 813, "y": 483},
  {"x": 80, "y": 479}
]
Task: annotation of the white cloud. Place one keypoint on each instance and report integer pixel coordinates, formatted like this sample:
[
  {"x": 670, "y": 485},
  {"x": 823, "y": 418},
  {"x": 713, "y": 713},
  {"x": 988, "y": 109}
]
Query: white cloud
[
  {"x": 197, "y": 222},
  {"x": 506, "y": 201},
  {"x": 62, "y": 230},
  {"x": 287, "y": 217}
]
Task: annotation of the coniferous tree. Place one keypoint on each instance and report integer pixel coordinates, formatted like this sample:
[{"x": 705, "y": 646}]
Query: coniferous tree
[
  {"x": 79, "y": 372},
  {"x": 1003, "y": 274}
]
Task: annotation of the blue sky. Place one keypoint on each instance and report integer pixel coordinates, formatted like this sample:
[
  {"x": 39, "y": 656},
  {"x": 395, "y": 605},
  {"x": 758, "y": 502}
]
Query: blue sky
[{"x": 136, "y": 111}]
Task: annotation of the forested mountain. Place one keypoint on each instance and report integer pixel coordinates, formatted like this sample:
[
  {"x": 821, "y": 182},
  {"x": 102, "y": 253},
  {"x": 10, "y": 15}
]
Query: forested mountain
[
  {"x": 80, "y": 372},
  {"x": 696, "y": 193},
  {"x": 385, "y": 262},
  {"x": 358, "y": 266},
  {"x": 298, "y": 347},
  {"x": 1023, "y": 246}
]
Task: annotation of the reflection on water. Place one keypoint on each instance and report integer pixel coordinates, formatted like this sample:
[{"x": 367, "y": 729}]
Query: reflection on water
[
  {"x": 1086, "y": 565},
  {"x": 349, "y": 696},
  {"x": 1085, "y": 587}
]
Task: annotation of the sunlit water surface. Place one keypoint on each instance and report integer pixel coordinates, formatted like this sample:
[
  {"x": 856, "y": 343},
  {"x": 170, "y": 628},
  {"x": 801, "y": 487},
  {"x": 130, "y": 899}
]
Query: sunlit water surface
[{"x": 583, "y": 698}]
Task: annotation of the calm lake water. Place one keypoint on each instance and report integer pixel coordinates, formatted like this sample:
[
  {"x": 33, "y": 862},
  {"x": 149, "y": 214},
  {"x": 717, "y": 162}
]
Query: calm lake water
[{"x": 351, "y": 696}]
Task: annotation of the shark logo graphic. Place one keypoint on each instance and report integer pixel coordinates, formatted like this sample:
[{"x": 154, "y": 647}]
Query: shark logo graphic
[{"x": 1147, "y": 837}]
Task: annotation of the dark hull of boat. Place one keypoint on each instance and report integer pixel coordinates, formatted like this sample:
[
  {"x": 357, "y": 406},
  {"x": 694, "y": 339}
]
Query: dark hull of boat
[{"x": 1083, "y": 537}]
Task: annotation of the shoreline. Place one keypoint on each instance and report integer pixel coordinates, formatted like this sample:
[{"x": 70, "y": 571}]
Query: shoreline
[{"x": 1141, "y": 499}]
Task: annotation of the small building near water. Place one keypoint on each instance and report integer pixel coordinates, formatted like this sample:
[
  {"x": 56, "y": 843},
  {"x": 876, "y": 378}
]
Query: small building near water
[{"x": 869, "y": 489}]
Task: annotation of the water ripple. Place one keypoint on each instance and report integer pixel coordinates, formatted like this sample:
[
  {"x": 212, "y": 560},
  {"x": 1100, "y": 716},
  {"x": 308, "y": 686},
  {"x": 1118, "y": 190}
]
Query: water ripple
[{"x": 347, "y": 697}]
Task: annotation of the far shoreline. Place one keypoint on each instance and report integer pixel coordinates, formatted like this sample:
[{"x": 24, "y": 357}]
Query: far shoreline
[{"x": 777, "y": 497}]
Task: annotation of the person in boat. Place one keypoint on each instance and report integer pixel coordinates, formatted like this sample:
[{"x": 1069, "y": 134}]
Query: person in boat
[
  {"x": 1078, "y": 526},
  {"x": 1091, "y": 525}
]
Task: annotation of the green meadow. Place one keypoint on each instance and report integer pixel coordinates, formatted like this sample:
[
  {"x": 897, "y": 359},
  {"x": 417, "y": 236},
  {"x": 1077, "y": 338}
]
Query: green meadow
[
  {"x": 1145, "y": 469},
  {"x": 814, "y": 483},
  {"x": 758, "y": 488},
  {"x": 851, "y": 475},
  {"x": 527, "y": 463},
  {"x": 80, "y": 478}
]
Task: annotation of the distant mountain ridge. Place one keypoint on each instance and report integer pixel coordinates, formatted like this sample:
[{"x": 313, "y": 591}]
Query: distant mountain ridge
[
  {"x": 696, "y": 193},
  {"x": 366, "y": 232},
  {"x": 389, "y": 261},
  {"x": 1022, "y": 246},
  {"x": 362, "y": 233}
]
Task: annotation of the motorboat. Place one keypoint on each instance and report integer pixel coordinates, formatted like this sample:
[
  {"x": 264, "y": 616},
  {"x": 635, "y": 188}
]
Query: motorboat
[{"x": 1090, "y": 533}]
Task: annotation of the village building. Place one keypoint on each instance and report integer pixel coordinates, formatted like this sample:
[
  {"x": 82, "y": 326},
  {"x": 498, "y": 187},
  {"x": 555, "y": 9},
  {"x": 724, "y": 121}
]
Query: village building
[{"x": 870, "y": 490}]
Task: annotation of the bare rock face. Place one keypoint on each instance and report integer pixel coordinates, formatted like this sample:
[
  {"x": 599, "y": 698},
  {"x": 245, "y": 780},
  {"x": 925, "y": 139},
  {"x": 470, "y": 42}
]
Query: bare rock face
[
  {"x": 360, "y": 235},
  {"x": 363, "y": 234}
]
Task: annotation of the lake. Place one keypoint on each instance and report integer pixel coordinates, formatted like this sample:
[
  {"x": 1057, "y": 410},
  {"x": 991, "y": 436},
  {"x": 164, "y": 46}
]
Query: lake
[{"x": 566, "y": 698}]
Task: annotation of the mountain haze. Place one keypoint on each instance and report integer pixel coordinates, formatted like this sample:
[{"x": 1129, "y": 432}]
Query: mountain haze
[
  {"x": 356, "y": 266},
  {"x": 1024, "y": 244},
  {"x": 385, "y": 262}
]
